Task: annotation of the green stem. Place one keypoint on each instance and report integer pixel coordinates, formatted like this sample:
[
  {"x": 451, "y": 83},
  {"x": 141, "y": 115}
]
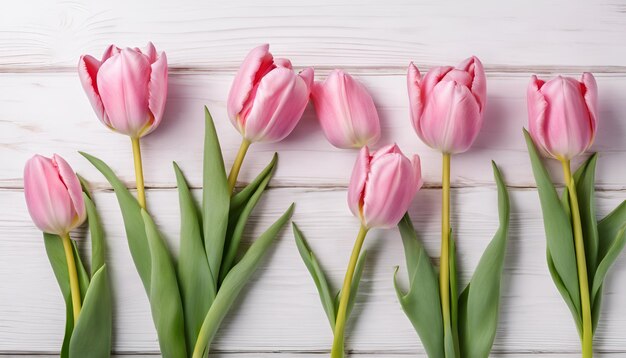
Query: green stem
[
  {"x": 141, "y": 191},
  {"x": 234, "y": 171},
  {"x": 583, "y": 281},
  {"x": 73, "y": 275},
  {"x": 340, "y": 323},
  {"x": 444, "y": 265}
]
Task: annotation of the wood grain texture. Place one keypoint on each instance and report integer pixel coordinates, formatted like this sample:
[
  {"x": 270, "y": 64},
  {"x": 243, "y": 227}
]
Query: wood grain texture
[
  {"x": 40, "y": 34},
  {"x": 42, "y": 113},
  {"x": 280, "y": 310}
]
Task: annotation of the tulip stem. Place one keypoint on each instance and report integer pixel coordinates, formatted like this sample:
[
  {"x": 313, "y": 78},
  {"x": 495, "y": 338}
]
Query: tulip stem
[
  {"x": 234, "y": 171},
  {"x": 141, "y": 191},
  {"x": 581, "y": 261},
  {"x": 444, "y": 263},
  {"x": 73, "y": 275},
  {"x": 340, "y": 323}
]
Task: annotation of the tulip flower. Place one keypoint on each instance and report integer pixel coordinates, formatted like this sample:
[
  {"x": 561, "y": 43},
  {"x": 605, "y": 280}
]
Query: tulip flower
[
  {"x": 447, "y": 104},
  {"x": 562, "y": 116},
  {"x": 346, "y": 111},
  {"x": 266, "y": 100},
  {"x": 55, "y": 202},
  {"x": 381, "y": 189},
  {"x": 127, "y": 89},
  {"x": 447, "y": 107}
]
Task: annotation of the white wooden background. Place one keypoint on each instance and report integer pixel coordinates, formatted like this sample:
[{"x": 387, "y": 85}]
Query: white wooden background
[{"x": 43, "y": 110}]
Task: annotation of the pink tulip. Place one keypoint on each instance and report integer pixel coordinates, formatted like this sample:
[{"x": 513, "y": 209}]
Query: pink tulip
[
  {"x": 383, "y": 185},
  {"x": 267, "y": 98},
  {"x": 346, "y": 111},
  {"x": 53, "y": 194},
  {"x": 447, "y": 104},
  {"x": 562, "y": 114},
  {"x": 127, "y": 89}
]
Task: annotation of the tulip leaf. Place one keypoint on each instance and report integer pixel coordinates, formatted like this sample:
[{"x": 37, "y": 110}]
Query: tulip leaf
[
  {"x": 239, "y": 200},
  {"x": 311, "y": 263},
  {"x": 478, "y": 311},
  {"x": 584, "y": 179},
  {"x": 238, "y": 225},
  {"x": 558, "y": 282},
  {"x": 92, "y": 335},
  {"x": 165, "y": 301},
  {"x": 215, "y": 198},
  {"x": 197, "y": 288},
  {"x": 356, "y": 280},
  {"x": 558, "y": 229},
  {"x": 236, "y": 279},
  {"x": 421, "y": 303},
  {"x": 133, "y": 222},
  {"x": 96, "y": 233},
  {"x": 611, "y": 242},
  {"x": 454, "y": 303}
]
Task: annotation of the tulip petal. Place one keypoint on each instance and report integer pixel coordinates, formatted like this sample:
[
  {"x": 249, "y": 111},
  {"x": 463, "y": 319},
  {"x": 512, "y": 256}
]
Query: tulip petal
[
  {"x": 151, "y": 53},
  {"x": 279, "y": 102},
  {"x": 358, "y": 180},
  {"x": 590, "y": 94},
  {"x": 537, "y": 107},
  {"x": 47, "y": 198},
  {"x": 363, "y": 114},
  {"x": 123, "y": 85},
  {"x": 256, "y": 64},
  {"x": 417, "y": 171},
  {"x": 475, "y": 68},
  {"x": 88, "y": 68},
  {"x": 431, "y": 79},
  {"x": 110, "y": 51},
  {"x": 74, "y": 189},
  {"x": 416, "y": 99},
  {"x": 157, "y": 91},
  {"x": 283, "y": 62}
]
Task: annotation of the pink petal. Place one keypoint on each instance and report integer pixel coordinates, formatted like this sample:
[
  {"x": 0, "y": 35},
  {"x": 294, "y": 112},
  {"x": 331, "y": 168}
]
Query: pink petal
[
  {"x": 157, "y": 90},
  {"x": 590, "y": 93},
  {"x": 358, "y": 180},
  {"x": 123, "y": 82},
  {"x": 475, "y": 68},
  {"x": 416, "y": 99},
  {"x": 74, "y": 189},
  {"x": 537, "y": 106},
  {"x": 88, "y": 68}
]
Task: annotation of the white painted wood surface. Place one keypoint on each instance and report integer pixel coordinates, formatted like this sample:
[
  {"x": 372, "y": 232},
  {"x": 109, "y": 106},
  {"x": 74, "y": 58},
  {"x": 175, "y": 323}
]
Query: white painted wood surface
[{"x": 43, "y": 110}]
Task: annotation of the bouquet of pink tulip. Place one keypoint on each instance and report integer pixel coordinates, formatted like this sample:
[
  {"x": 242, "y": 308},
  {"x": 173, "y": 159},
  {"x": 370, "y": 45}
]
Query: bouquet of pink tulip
[
  {"x": 58, "y": 204},
  {"x": 562, "y": 115},
  {"x": 189, "y": 297}
]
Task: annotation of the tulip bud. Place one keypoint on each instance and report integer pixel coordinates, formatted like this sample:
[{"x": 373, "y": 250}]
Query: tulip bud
[
  {"x": 267, "y": 98},
  {"x": 53, "y": 195},
  {"x": 447, "y": 104},
  {"x": 127, "y": 88},
  {"x": 383, "y": 185},
  {"x": 562, "y": 114},
  {"x": 346, "y": 111}
]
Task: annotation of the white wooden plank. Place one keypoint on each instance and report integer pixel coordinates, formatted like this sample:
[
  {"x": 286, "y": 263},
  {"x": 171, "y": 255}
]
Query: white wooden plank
[
  {"x": 51, "y": 34},
  {"x": 280, "y": 310},
  {"x": 45, "y": 113},
  {"x": 325, "y": 354}
]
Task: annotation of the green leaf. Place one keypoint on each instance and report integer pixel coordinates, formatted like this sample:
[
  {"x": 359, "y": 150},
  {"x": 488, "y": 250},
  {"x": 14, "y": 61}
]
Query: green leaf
[
  {"x": 215, "y": 198},
  {"x": 356, "y": 280},
  {"x": 421, "y": 303},
  {"x": 56, "y": 256},
  {"x": 611, "y": 242},
  {"x": 83, "y": 276},
  {"x": 559, "y": 237},
  {"x": 165, "y": 302},
  {"x": 237, "y": 279},
  {"x": 558, "y": 282},
  {"x": 96, "y": 233},
  {"x": 311, "y": 263},
  {"x": 240, "y": 199},
  {"x": 454, "y": 296},
  {"x": 584, "y": 178},
  {"x": 478, "y": 323},
  {"x": 238, "y": 225},
  {"x": 92, "y": 334},
  {"x": 197, "y": 287},
  {"x": 595, "y": 309},
  {"x": 133, "y": 222}
]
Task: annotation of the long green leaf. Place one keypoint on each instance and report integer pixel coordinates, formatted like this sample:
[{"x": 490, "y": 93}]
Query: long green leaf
[
  {"x": 197, "y": 287},
  {"x": 477, "y": 329},
  {"x": 239, "y": 225},
  {"x": 421, "y": 303},
  {"x": 558, "y": 282},
  {"x": 356, "y": 281},
  {"x": 311, "y": 263},
  {"x": 165, "y": 301},
  {"x": 215, "y": 198},
  {"x": 611, "y": 242},
  {"x": 133, "y": 222},
  {"x": 608, "y": 260},
  {"x": 239, "y": 200},
  {"x": 237, "y": 279},
  {"x": 454, "y": 297},
  {"x": 584, "y": 178},
  {"x": 96, "y": 233},
  {"x": 92, "y": 335},
  {"x": 558, "y": 229}
]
